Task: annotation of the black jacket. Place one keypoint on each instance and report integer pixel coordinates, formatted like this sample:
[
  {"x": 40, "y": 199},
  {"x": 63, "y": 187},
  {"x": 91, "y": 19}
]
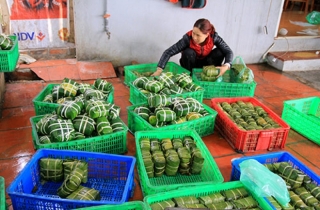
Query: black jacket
[{"x": 184, "y": 43}]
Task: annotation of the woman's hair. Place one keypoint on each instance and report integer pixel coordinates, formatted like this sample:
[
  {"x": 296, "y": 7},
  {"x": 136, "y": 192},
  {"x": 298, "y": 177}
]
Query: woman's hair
[{"x": 205, "y": 26}]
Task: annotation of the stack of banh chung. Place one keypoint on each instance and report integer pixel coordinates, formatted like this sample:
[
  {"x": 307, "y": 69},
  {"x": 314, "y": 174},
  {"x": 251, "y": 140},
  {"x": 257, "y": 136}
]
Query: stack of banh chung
[
  {"x": 87, "y": 115},
  {"x": 163, "y": 110},
  {"x": 303, "y": 192},
  {"x": 210, "y": 73},
  {"x": 237, "y": 198},
  {"x": 248, "y": 116},
  {"x": 171, "y": 156},
  {"x": 69, "y": 90},
  {"x": 166, "y": 84},
  {"x": 72, "y": 173}
]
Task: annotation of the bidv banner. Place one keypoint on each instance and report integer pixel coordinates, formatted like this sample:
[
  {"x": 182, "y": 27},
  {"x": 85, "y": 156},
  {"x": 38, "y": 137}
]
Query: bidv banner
[{"x": 39, "y": 23}]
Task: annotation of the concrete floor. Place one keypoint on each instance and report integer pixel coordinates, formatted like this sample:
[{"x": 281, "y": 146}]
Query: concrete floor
[
  {"x": 310, "y": 78},
  {"x": 273, "y": 88}
]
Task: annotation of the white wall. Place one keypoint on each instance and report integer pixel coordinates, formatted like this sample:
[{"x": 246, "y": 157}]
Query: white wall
[{"x": 142, "y": 29}]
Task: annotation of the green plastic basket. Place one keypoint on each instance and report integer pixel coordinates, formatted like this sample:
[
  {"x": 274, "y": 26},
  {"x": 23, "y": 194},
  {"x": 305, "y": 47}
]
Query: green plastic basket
[
  {"x": 2, "y": 194},
  {"x": 137, "y": 97},
  {"x": 202, "y": 191},
  {"x": 303, "y": 115},
  {"x": 224, "y": 88},
  {"x": 42, "y": 108},
  {"x": 114, "y": 143},
  {"x": 132, "y": 205},
  {"x": 9, "y": 58},
  {"x": 210, "y": 173},
  {"x": 129, "y": 75},
  {"x": 203, "y": 126}
]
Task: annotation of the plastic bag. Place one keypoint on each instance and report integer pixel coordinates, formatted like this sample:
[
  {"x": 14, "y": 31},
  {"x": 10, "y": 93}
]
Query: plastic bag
[
  {"x": 261, "y": 181},
  {"x": 313, "y": 18},
  {"x": 240, "y": 73}
]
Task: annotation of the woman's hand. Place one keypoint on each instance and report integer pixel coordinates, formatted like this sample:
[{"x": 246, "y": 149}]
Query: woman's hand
[
  {"x": 157, "y": 72},
  {"x": 223, "y": 69}
]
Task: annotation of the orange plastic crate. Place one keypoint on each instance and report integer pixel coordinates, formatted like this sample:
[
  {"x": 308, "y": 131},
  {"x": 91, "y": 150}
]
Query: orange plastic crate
[{"x": 253, "y": 140}]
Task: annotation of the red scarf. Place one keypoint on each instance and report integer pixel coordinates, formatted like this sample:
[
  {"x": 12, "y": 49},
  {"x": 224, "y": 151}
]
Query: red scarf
[{"x": 201, "y": 50}]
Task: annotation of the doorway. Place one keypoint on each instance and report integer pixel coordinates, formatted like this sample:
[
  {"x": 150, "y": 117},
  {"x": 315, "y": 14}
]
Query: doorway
[{"x": 293, "y": 19}]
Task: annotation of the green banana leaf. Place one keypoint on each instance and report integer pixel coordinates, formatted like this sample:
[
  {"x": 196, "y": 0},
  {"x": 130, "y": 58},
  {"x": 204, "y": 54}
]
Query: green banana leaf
[
  {"x": 61, "y": 130},
  {"x": 162, "y": 205},
  {"x": 116, "y": 124},
  {"x": 70, "y": 109},
  {"x": 85, "y": 193},
  {"x": 44, "y": 140},
  {"x": 245, "y": 203},
  {"x": 96, "y": 108},
  {"x": 211, "y": 198},
  {"x": 234, "y": 194},
  {"x": 71, "y": 183},
  {"x": 103, "y": 126},
  {"x": 51, "y": 169},
  {"x": 84, "y": 124},
  {"x": 70, "y": 164},
  {"x": 42, "y": 126},
  {"x": 94, "y": 94},
  {"x": 103, "y": 85}
]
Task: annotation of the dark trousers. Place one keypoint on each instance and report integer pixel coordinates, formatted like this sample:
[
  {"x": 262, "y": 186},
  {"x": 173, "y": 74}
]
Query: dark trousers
[{"x": 189, "y": 61}]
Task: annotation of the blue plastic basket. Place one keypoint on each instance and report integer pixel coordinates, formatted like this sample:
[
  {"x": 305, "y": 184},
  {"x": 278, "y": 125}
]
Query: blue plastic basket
[
  {"x": 273, "y": 157},
  {"x": 112, "y": 175}
]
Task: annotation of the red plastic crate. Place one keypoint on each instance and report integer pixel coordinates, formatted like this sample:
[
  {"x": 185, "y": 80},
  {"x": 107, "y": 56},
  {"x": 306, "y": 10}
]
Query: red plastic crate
[{"x": 253, "y": 140}]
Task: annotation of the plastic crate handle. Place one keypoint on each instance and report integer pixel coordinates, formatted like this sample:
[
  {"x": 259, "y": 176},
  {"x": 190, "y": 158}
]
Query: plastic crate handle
[
  {"x": 264, "y": 140},
  {"x": 315, "y": 107}
]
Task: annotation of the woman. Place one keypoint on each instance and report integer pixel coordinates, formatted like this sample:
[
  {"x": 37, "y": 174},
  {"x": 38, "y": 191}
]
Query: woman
[{"x": 202, "y": 46}]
